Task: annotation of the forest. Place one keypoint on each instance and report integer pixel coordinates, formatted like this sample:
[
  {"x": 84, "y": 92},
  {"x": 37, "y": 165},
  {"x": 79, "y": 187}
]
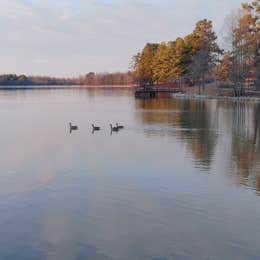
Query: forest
[{"x": 197, "y": 58}]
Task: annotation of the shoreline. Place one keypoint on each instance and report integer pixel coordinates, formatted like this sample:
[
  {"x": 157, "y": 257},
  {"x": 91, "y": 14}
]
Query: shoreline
[
  {"x": 212, "y": 97},
  {"x": 213, "y": 92}
]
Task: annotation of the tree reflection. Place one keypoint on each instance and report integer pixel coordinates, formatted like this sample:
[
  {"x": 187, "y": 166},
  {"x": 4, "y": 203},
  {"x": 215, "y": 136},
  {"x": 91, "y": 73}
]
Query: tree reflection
[
  {"x": 159, "y": 111},
  {"x": 199, "y": 124},
  {"x": 194, "y": 120},
  {"x": 245, "y": 144}
]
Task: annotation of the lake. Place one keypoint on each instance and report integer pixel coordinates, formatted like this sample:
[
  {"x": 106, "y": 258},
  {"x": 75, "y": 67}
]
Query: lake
[{"x": 181, "y": 181}]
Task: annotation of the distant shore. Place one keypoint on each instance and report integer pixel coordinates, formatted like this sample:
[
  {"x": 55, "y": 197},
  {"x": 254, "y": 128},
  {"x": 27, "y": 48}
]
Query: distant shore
[{"x": 91, "y": 78}]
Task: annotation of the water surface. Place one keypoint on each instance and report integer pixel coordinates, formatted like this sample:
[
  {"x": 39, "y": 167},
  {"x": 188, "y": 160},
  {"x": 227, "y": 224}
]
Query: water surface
[{"x": 181, "y": 181}]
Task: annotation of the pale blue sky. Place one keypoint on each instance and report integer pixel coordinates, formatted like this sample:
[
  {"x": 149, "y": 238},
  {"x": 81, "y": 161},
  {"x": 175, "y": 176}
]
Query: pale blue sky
[{"x": 72, "y": 37}]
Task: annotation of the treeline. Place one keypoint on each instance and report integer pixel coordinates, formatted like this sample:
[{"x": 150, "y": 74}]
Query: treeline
[
  {"x": 197, "y": 57},
  {"x": 23, "y": 80},
  {"x": 91, "y": 78},
  {"x": 117, "y": 78}
]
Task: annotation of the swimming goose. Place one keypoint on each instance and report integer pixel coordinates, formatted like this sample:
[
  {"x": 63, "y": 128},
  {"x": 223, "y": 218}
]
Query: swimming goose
[
  {"x": 119, "y": 126},
  {"x": 95, "y": 128},
  {"x": 73, "y": 127},
  {"x": 114, "y": 128}
]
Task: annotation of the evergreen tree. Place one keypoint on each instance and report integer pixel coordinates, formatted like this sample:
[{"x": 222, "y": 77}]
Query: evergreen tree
[{"x": 205, "y": 50}]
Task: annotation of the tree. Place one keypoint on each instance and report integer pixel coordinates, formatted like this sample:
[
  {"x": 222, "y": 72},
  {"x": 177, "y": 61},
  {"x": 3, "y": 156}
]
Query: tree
[
  {"x": 171, "y": 61},
  {"x": 182, "y": 58},
  {"x": 205, "y": 50},
  {"x": 90, "y": 78},
  {"x": 162, "y": 63},
  {"x": 143, "y": 64},
  {"x": 223, "y": 69},
  {"x": 244, "y": 36},
  {"x": 199, "y": 67},
  {"x": 253, "y": 35}
]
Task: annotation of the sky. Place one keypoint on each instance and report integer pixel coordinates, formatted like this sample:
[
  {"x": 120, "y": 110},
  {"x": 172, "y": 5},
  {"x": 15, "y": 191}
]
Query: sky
[{"x": 73, "y": 37}]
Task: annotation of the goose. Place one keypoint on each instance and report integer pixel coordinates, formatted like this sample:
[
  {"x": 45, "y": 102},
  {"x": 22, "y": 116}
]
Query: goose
[
  {"x": 73, "y": 127},
  {"x": 119, "y": 126},
  {"x": 114, "y": 128},
  {"x": 95, "y": 128}
]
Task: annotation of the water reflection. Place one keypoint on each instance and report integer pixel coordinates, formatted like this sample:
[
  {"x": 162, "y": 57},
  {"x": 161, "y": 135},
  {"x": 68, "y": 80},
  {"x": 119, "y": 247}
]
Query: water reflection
[
  {"x": 139, "y": 194},
  {"x": 245, "y": 144},
  {"x": 193, "y": 123},
  {"x": 199, "y": 124}
]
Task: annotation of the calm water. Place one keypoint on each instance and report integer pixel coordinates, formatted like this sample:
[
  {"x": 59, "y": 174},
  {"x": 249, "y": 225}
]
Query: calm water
[{"x": 181, "y": 181}]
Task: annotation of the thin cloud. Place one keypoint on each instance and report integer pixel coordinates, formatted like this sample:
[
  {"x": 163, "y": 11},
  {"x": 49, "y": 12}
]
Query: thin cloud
[{"x": 94, "y": 35}]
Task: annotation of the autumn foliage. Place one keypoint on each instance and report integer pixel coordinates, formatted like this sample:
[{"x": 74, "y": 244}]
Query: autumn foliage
[
  {"x": 197, "y": 57},
  {"x": 192, "y": 56}
]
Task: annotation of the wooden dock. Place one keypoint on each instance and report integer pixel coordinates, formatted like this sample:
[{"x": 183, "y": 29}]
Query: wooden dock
[{"x": 152, "y": 91}]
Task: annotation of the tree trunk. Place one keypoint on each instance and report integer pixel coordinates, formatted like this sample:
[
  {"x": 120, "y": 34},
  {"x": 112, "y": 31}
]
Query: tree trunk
[
  {"x": 203, "y": 82},
  {"x": 258, "y": 69}
]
